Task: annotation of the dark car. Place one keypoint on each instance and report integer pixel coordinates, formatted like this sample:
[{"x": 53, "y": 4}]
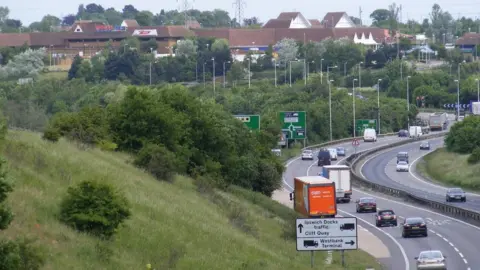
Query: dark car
[
  {"x": 425, "y": 146},
  {"x": 414, "y": 226},
  {"x": 324, "y": 158},
  {"x": 366, "y": 204},
  {"x": 341, "y": 151},
  {"x": 456, "y": 194},
  {"x": 402, "y": 156},
  {"x": 402, "y": 133},
  {"x": 385, "y": 217}
]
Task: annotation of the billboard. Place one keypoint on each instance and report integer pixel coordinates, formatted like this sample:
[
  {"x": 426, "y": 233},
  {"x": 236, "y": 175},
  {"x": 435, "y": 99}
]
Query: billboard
[{"x": 110, "y": 28}]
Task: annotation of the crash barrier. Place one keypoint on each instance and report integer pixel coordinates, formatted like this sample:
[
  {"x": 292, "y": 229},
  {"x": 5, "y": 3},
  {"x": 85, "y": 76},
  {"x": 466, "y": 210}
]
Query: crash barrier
[{"x": 353, "y": 160}]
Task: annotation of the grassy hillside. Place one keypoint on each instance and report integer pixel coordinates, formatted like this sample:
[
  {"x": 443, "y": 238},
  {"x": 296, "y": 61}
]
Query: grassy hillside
[
  {"x": 451, "y": 169},
  {"x": 174, "y": 226}
]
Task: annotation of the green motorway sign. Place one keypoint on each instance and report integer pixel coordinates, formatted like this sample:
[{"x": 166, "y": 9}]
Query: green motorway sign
[
  {"x": 295, "y": 124},
  {"x": 251, "y": 121},
  {"x": 362, "y": 124}
]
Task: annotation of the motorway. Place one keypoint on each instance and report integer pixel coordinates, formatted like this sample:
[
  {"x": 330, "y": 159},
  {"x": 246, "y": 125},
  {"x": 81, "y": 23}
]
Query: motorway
[{"x": 456, "y": 239}]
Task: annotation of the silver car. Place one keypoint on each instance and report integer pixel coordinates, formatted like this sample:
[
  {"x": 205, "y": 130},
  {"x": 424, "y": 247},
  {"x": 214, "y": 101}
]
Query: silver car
[
  {"x": 307, "y": 154},
  {"x": 431, "y": 259},
  {"x": 402, "y": 166}
]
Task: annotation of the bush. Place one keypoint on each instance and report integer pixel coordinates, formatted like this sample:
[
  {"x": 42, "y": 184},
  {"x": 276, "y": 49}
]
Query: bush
[
  {"x": 20, "y": 254},
  {"x": 6, "y": 215},
  {"x": 158, "y": 161},
  {"x": 464, "y": 136},
  {"x": 51, "y": 134},
  {"x": 474, "y": 157},
  {"x": 95, "y": 208}
]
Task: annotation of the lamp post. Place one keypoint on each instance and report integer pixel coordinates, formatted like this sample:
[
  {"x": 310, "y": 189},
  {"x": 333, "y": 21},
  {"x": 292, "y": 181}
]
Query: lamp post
[
  {"x": 224, "y": 77},
  {"x": 458, "y": 99},
  {"x": 204, "y": 82},
  {"x": 213, "y": 78},
  {"x": 330, "y": 106},
  {"x": 378, "y": 104},
  {"x": 354, "y": 120},
  {"x": 275, "y": 67},
  {"x": 328, "y": 72},
  {"x": 408, "y": 103},
  {"x": 321, "y": 71},
  {"x": 478, "y": 89},
  {"x": 249, "y": 74},
  {"x": 345, "y": 69}
]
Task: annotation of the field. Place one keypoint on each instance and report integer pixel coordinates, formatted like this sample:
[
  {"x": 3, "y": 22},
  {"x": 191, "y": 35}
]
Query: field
[
  {"x": 178, "y": 225},
  {"x": 451, "y": 169}
]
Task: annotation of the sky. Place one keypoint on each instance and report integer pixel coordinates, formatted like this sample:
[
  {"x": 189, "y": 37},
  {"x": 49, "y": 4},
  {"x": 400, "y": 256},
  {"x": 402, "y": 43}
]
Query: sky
[{"x": 30, "y": 11}]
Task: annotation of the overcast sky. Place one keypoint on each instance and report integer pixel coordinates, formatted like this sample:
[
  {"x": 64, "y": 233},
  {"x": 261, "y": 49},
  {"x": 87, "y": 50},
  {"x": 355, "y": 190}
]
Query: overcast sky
[{"x": 30, "y": 11}]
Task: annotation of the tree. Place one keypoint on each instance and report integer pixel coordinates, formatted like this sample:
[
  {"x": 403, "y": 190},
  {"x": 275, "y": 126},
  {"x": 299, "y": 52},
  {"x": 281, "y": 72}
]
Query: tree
[
  {"x": 186, "y": 48},
  {"x": 76, "y": 63},
  {"x": 26, "y": 64},
  {"x": 356, "y": 21},
  {"x": 144, "y": 18},
  {"x": 393, "y": 19},
  {"x": 287, "y": 50},
  {"x": 69, "y": 19},
  {"x": 380, "y": 15},
  {"x": 236, "y": 73},
  {"x": 129, "y": 12},
  {"x": 94, "y": 8},
  {"x": 4, "y": 12}
]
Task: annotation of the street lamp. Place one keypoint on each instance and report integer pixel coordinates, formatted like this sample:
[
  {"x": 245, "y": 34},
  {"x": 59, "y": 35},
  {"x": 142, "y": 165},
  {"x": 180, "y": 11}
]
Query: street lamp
[
  {"x": 249, "y": 76},
  {"x": 378, "y": 104},
  {"x": 478, "y": 89},
  {"x": 213, "y": 78},
  {"x": 408, "y": 103},
  {"x": 224, "y": 78},
  {"x": 345, "y": 69},
  {"x": 328, "y": 72},
  {"x": 321, "y": 71},
  {"x": 354, "y": 120},
  {"x": 305, "y": 71},
  {"x": 275, "y": 67},
  {"x": 458, "y": 98},
  {"x": 330, "y": 106}
]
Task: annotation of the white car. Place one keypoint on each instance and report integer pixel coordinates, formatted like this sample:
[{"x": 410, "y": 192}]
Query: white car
[
  {"x": 431, "y": 259},
  {"x": 402, "y": 166},
  {"x": 307, "y": 154},
  {"x": 333, "y": 153}
]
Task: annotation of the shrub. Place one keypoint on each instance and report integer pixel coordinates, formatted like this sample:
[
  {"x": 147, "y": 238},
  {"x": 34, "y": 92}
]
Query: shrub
[
  {"x": 32, "y": 257},
  {"x": 158, "y": 161},
  {"x": 51, "y": 134},
  {"x": 474, "y": 157},
  {"x": 95, "y": 208},
  {"x": 6, "y": 215}
]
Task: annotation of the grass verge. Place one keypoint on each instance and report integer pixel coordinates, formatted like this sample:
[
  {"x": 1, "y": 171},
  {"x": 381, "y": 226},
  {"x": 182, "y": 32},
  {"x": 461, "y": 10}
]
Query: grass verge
[
  {"x": 184, "y": 225},
  {"x": 450, "y": 169}
]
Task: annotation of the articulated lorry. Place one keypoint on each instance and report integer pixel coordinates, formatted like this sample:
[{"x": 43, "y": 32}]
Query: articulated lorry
[
  {"x": 438, "y": 121},
  {"x": 340, "y": 175},
  {"x": 314, "y": 196}
]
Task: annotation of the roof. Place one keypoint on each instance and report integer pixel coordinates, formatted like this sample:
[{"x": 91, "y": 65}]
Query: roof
[
  {"x": 47, "y": 39},
  {"x": 331, "y": 19},
  {"x": 251, "y": 37},
  {"x": 380, "y": 35},
  {"x": 314, "y": 179},
  {"x": 131, "y": 23},
  {"x": 336, "y": 167},
  {"x": 315, "y": 23},
  {"x": 469, "y": 39},
  {"x": 86, "y": 26},
  {"x": 288, "y": 15},
  {"x": 193, "y": 24},
  {"x": 307, "y": 34},
  {"x": 277, "y": 23},
  {"x": 14, "y": 39}
]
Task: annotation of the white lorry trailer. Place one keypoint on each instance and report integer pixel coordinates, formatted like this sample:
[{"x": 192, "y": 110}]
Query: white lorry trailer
[{"x": 340, "y": 175}]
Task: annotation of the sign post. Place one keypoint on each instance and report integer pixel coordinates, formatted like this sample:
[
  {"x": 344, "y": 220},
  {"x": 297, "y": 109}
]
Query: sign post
[
  {"x": 355, "y": 144},
  {"x": 324, "y": 234},
  {"x": 363, "y": 124},
  {"x": 295, "y": 125},
  {"x": 251, "y": 121}
]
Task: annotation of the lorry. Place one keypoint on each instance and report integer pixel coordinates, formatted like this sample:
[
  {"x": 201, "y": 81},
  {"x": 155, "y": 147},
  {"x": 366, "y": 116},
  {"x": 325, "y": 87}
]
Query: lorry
[
  {"x": 340, "y": 175},
  {"x": 314, "y": 196},
  {"x": 475, "y": 107},
  {"x": 415, "y": 131},
  {"x": 438, "y": 121}
]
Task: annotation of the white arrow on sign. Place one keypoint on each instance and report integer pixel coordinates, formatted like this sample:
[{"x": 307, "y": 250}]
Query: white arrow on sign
[{"x": 326, "y": 234}]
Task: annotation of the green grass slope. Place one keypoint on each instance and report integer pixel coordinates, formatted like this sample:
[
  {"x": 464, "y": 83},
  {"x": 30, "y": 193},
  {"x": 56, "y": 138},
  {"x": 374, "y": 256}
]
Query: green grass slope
[{"x": 173, "y": 226}]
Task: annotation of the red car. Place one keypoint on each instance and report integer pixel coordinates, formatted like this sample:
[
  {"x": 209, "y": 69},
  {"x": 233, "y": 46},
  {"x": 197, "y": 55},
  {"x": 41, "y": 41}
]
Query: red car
[
  {"x": 385, "y": 217},
  {"x": 366, "y": 204}
]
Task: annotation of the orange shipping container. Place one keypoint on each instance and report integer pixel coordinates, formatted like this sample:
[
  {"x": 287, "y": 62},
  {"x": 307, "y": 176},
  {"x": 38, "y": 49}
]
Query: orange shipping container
[{"x": 314, "y": 196}]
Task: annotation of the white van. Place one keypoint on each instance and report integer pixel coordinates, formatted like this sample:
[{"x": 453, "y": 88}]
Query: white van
[
  {"x": 370, "y": 135},
  {"x": 415, "y": 131}
]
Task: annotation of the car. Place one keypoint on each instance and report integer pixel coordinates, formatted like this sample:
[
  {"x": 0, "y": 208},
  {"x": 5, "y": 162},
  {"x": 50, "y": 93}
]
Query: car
[
  {"x": 402, "y": 166},
  {"x": 333, "y": 153},
  {"x": 369, "y": 135},
  {"x": 307, "y": 154},
  {"x": 324, "y": 158},
  {"x": 431, "y": 259},
  {"x": 425, "y": 146},
  {"x": 414, "y": 226},
  {"x": 366, "y": 204},
  {"x": 341, "y": 151},
  {"x": 403, "y": 133},
  {"x": 456, "y": 194},
  {"x": 385, "y": 217}
]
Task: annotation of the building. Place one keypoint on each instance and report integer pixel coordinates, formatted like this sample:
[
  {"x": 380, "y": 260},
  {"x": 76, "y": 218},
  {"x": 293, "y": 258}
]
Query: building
[
  {"x": 291, "y": 20},
  {"x": 337, "y": 20},
  {"x": 468, "y": 43}
]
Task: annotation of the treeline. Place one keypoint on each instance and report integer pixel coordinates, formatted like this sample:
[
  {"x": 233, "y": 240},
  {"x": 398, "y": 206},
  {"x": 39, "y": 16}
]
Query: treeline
[
  {"x": 464, "y": 138},
  {"x": 171, "y": 131}
]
